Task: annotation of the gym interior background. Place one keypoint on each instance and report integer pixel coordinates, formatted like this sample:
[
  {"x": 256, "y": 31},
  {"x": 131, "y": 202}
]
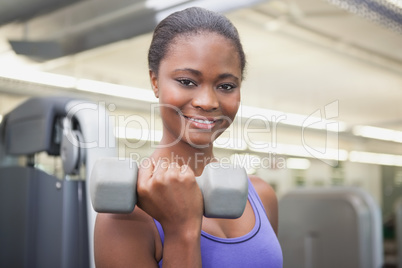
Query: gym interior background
[{"x": 321, "y": 103}]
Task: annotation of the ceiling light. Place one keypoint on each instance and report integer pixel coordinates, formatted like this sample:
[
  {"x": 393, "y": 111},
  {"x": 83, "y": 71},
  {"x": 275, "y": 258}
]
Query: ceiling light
[
  {"x": 301, "y": 151},
  {"x": 378, "y": 133},
  {"x": 273, "y": 25},
  {"x": 375, "y": 158},
  {"x": 43, "y": 78},
  {"x": 314, "y": 122},
  {"x": 297, "y": 163},
  {"x": 116, "y": 90},
  {"x": 93, "y": 86}
]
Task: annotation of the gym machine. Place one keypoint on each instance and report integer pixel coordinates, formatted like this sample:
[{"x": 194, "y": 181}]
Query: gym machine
[{"x": 47, "y": 221}]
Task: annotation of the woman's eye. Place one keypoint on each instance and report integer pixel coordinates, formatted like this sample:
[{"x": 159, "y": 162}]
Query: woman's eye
[
  {"x": 227, "y": 87},
  {"x": 186, "y": 82}
]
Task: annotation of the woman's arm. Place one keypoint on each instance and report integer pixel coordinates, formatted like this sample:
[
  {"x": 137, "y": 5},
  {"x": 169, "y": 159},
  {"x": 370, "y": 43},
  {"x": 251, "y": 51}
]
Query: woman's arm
[
  {"x": 268, "y": 199},
  {"x": 170, "y": 194},
  {"x": 126, "y": 240}
]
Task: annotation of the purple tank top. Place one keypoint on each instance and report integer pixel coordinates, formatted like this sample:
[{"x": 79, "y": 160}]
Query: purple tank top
[{"x": 259, "y": 248}]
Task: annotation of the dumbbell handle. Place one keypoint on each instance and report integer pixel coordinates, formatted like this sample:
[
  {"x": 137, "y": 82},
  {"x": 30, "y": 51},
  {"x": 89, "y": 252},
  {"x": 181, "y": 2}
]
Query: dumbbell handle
[{"x": 113, "y": 185}]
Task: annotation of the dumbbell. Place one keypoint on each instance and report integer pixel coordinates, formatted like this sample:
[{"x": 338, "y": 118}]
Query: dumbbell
[{"x": 113, "y": 185}]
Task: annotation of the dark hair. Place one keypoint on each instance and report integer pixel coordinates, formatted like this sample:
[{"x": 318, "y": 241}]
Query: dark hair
[{"x": 191, "y": 21}]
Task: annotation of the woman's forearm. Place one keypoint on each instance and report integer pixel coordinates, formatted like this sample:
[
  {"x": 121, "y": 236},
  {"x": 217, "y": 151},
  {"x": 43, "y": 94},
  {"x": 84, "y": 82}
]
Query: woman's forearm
[{"x": 182, "y": 249}]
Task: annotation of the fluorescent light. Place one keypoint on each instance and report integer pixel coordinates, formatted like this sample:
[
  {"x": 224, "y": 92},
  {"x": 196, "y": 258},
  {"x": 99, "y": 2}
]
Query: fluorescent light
[
  {"x": 273, "y": 25},
  {"x": 301, "y": 151},
  {"x": 297, "y": 163},
  {"x": 93, "y": 86},
  {"x": 375, "y": 158},
  {"x": 378, "y": 133},
  {"x": 278, "y": 117},
  {"x": 43, "y": 78},
  {"x": 116, "y": 90}
]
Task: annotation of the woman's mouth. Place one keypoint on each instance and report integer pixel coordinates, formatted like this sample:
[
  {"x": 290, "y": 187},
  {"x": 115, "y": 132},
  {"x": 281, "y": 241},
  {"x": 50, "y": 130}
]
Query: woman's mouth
[{"x": 202, "y": 123}]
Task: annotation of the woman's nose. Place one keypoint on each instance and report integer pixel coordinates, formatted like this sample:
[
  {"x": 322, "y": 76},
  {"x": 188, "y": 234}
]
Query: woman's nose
[{"x": 206, "y": 99}]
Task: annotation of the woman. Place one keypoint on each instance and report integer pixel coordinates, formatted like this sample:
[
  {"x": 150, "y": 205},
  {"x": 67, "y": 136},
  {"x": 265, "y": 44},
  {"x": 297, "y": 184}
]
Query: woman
[{"x": 196, "y": 66}]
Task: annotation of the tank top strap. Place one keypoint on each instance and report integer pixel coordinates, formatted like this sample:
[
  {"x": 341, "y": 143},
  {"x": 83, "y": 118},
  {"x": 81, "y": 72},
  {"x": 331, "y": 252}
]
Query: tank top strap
[
  {"x": 255, "y": 197},
  {"x": 160, "y": 231}
]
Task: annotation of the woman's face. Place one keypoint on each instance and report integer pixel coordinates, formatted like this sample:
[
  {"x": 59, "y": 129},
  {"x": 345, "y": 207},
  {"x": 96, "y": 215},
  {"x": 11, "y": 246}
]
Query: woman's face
[{"x": 198, "y": 86}]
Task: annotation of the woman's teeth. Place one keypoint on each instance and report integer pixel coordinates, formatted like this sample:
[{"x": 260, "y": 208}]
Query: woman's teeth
[{"x": 200, "y": 120}]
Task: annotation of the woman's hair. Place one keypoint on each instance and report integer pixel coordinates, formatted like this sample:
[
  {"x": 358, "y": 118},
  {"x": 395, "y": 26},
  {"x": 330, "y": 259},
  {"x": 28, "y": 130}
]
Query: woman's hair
[{"x": 191, "y": 21}]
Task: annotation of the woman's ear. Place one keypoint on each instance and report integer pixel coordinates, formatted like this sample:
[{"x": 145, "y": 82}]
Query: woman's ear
[{"x": 154, "y": 83}]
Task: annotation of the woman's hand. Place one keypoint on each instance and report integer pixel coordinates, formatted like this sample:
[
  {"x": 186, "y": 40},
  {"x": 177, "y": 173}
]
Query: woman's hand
[{"x": 170, "y": 194}]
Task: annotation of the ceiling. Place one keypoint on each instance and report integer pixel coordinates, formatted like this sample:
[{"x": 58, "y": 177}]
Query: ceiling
[{"x": 302, "y": 55}]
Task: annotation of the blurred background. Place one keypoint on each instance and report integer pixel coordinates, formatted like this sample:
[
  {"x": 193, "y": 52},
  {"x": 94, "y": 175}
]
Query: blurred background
[{"x": 321, "y": 102}]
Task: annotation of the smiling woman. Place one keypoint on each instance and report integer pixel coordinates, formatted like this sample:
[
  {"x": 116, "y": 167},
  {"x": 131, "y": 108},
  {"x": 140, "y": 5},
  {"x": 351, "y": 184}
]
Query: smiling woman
[
  {"x": 196, "y": 66},
  {"x": 200, "y": 78}
]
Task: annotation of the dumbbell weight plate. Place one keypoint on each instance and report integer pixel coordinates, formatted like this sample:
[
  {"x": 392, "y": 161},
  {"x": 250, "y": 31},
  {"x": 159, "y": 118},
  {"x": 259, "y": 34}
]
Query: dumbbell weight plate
[
  {"x": 113, "y": 182},
  {"x": 225, "y": 190}
]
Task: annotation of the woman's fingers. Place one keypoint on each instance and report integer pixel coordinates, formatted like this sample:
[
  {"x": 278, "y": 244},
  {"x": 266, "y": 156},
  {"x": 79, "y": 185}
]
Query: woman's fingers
[
  {"x": 145, "y": 171},
  {"x": 169, "y": 192}
]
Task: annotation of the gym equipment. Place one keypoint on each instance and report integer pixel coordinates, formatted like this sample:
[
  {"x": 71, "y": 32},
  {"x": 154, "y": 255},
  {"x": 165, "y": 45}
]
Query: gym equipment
[
  {"x": 330, "y": 227},
  {"x": 398, "y": 229},
  {"x": 114, "y": 182},
  {"x": 47, "y": 220}
]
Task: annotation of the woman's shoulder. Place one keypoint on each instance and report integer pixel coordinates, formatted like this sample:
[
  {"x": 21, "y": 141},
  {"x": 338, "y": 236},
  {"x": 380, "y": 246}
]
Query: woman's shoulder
[
  {"x": 264, "y": 190},
  {"x": 268, "y": 198},
  {"x": 122, "y": 239}
]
